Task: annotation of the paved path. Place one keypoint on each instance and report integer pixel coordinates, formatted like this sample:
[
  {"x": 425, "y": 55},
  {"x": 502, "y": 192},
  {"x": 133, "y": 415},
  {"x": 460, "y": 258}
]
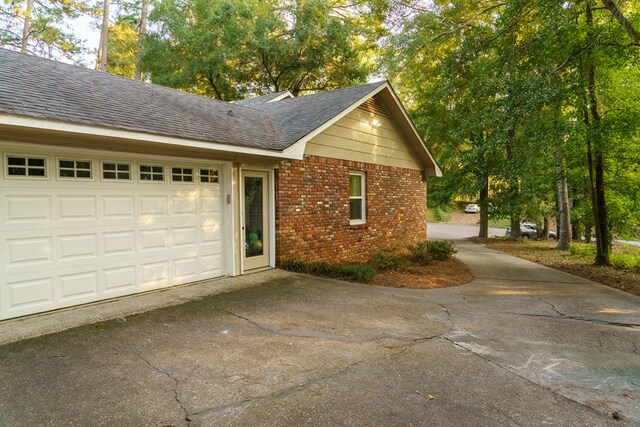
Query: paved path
[{"x": 522, "y": 345}]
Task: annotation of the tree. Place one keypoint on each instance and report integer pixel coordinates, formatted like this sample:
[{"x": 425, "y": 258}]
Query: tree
[
  {"x": 227, "y": 48},
  {"x": 41, "y": 27}
]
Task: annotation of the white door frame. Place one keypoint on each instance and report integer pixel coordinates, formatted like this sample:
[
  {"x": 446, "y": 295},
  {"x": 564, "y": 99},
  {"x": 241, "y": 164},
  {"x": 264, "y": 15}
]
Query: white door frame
[{"x": 271, "y": 247}]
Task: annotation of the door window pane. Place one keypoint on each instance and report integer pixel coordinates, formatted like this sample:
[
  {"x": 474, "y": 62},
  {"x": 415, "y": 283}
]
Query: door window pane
[{"x": 253, "y": 217}]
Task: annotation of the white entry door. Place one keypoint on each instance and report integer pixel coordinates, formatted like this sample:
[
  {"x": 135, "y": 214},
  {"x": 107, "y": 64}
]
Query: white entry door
[{"x": 255, "y": 221}]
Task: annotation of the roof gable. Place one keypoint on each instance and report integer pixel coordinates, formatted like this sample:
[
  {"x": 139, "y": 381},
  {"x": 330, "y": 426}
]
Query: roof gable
[{"x": 278, "y": 125}]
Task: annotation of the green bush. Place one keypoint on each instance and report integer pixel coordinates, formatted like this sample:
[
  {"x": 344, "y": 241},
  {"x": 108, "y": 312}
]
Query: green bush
[
  {"x": 626, "y": 261},
  {"x": 389, "y": 259},
  {"x": 423, "y": 253},
  {"x": 351, "y": 272},
  {"x": 585, "y": 250}
]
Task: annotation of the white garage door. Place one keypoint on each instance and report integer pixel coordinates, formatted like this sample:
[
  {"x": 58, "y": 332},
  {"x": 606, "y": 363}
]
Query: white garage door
[{"x": 82, "y": 228}]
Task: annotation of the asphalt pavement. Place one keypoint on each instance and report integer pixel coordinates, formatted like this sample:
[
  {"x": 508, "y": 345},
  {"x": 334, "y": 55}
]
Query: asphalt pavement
[{"x": 522, "y": 345}]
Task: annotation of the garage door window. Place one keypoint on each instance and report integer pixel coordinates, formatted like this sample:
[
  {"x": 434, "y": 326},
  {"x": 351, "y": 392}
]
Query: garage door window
[
  {"x": 209, "y": 175},
  {"x": 152, "y": 173},
  {"x": 26, "y": 166},
  {"x": 74, "y": 169},
  {"x": 116, "y": 171},
  {"x": 181, "y": 174}
]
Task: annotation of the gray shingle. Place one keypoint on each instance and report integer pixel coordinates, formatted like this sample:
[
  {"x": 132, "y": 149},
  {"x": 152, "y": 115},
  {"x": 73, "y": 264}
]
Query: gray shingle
[{"x": 36, "y": 87}]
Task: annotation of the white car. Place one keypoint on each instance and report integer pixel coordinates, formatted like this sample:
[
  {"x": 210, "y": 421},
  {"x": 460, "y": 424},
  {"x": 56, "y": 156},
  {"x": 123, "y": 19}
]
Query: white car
[{"x": 472, "y": 208}]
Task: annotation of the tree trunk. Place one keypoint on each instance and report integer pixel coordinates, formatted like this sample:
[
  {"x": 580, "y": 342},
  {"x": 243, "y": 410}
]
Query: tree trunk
[
  {"x": 595, "y": 154},
  {"x": 564, "y": 236},
  {"x": 101, "y": 64},
  {"x": 622, "y": 20},
  {"x": 545, "y": 228},
  {"x": 26, "y": 27},
  {"x": 142, "y": 29},
  {"x": 484, "y": 208}
]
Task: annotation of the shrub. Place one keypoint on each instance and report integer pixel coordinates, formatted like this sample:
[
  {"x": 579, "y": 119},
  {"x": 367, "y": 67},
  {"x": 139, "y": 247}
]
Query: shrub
[
  {"x": 584, "y": 250},
  {"x": 423, "y": 253},
  {"x": 389, "y": 259},
  {"x": 626, "y": 261},
  {"x": 351, "y": 272}
]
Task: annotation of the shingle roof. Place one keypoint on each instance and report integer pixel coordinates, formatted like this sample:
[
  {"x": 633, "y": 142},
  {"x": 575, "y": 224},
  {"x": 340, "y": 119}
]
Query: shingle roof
[
  {"x": 297, "y": 117},
  {"x": 41, "y": 88},
  {"x": 259, "y": 100},
  {"x": 36, "y": 87}
]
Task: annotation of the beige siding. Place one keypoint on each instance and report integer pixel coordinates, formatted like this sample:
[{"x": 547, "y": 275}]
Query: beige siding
[{"x": 354, "y": 138}]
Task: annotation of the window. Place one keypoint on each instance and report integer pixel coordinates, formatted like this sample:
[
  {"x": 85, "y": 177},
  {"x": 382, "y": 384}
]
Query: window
[
  {"x": 209, "y": 175},
  {"x": 26, "y": 166},
  {"x": 117, "y": 171},
  {"x": 151, "y": 173},
  {"x": 357, "y": 206},
  {"x": 182, "y": 174},
  {"x": 74, "y": 168}
]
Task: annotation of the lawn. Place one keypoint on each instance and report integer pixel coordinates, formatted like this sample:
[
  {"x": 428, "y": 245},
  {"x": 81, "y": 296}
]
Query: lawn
[{"x": 624, "y": 275}]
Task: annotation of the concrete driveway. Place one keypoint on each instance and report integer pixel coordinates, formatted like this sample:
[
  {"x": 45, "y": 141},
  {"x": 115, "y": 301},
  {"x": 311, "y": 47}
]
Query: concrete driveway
[{"x": 522, "y": 345}]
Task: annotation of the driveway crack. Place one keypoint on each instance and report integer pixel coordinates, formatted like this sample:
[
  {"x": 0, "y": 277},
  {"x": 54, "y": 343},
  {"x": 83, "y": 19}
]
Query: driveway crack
[
  {"x": 321, "y": 336},
  {"x": 176, "y": 384},
  {"x": 287, "y": 391},
  {"x": 562, "y": 315}
]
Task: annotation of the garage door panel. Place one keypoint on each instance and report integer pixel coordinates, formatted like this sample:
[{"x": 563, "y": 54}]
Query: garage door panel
[
  {"x": 79, "y": 285},
  {"x": 22, "y": 209},
  {"x": 77, "y": 207},
  {"x": 119, "y": 243},
  {"x": 29, "y": 250},
  {"x": 153, "y": 206},
  {"x": 66, "y": 242},
  {"x": 27, "y": 295},
  {"x": 118, "y": 207},
  {"x": 120, "y": 279},
  {"x": 78, "y": 246}
]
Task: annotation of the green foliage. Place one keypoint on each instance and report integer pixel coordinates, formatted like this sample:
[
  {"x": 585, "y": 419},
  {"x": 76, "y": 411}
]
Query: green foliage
[
  {"x": 229, "y": 48},
  {"x": 584, "y": 250},
  {"x": 498, "y": 91},
  {"x": 404, "y": 259},
  {"x": 425, "y": 252},
  {"x": 390, "y": 258},
  {"x": 351, "y": 272},
  {"x": 50, "y": 32}
]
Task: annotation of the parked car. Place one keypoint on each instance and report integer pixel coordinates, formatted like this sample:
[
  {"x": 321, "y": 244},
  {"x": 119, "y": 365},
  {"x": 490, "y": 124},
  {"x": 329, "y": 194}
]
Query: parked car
[
  {"x": 472, "y": 208},
  {"x": 528, "y": 231}
]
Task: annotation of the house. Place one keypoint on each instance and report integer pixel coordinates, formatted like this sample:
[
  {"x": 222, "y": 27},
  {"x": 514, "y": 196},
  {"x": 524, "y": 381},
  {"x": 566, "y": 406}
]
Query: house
[{"x": 110, "y": 187}]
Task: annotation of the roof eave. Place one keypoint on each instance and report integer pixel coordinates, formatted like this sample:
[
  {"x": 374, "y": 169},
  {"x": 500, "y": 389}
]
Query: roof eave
[{"x": 26, "y": 123}]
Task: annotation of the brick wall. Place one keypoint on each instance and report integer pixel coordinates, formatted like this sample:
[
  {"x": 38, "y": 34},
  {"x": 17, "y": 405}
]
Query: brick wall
[{"x": 312, "y": 210}]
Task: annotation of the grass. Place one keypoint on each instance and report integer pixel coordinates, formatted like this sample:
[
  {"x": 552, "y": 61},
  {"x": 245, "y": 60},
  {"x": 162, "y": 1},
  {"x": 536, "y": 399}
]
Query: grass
[{"x": 624, "y": 274}]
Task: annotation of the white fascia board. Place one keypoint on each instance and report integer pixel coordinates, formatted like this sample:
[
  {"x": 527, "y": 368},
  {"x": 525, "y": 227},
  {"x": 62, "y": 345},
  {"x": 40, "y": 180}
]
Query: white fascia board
[
  {"x": 81, "y": 129},
  {"x": 285, "y": 95},
  {"x": 296, "y": 150},
  {"x": 436, "y": 168}
]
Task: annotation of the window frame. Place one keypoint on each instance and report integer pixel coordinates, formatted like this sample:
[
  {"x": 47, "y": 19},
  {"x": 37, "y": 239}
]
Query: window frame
[
  {"x": 75, "y": 169},
  {"x": 211, "y": 172},
  {"x": 182, "y": 174},
  {"x": 152, "y": 173},
  {"x": 362, "y": 197},
  {"x": 45, "y": 167},
  {"x": 116, "y": 171}
]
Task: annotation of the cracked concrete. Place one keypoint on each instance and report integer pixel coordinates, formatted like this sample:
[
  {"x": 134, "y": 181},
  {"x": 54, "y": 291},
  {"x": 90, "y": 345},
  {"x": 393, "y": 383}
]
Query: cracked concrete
[{"x": 520, "y": 346}]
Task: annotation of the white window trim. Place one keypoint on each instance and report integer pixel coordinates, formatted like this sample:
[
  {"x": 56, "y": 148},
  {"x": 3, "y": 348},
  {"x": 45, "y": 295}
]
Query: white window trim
[
  {"x": 116, "y": 162},
  {"x": 363, "y": 197},
  {"x": 210, "y": 169},
  {"x": 92, "y": 169},
  {"x": 151, "y": 181},
  {"x": 26, "y": 156},
  {"x": 194, "y": 177}
]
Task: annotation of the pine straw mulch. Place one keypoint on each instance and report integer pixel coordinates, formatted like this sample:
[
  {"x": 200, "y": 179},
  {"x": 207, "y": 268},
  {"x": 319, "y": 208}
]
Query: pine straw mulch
[
  {"x": 545, "y": 253},
  {"x": 440, "y": 274}
]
